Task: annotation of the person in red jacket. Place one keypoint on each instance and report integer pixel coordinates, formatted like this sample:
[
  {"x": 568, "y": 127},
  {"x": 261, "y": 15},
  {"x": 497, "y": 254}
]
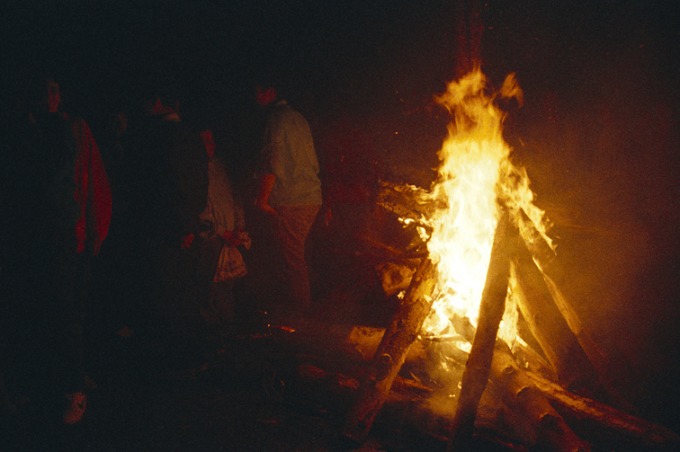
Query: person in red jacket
[{"x": 58, "y": 197}]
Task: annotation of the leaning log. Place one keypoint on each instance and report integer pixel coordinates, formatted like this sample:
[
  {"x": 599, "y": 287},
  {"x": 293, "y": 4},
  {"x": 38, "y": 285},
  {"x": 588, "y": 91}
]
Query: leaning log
[
  {"x": 554, "y": 275},
  {"x": 612, "y": 428},
  {"x": 533, "y": 417},
  {"x": 478, "y": 364},
  {"x": 547, "y": 325},
  {"x": 555, "y": 279},
  {"x": 394, "y": 346}
]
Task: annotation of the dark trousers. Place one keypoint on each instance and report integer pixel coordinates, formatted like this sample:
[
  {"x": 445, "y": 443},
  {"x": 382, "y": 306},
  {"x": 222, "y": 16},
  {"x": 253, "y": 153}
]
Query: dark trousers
[
  {"x": 216, "y": 300},
  {"x": 68, "y": 322},
  {"x": 46, "y": 317},
  {"x": 179, "y": 328}
]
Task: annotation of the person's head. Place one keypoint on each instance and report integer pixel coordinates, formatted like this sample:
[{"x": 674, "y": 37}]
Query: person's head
[
  {"x": 265, "y": 95},
  {"x": 208, "y": 142},
  {"x": 118, "y": 124},
  {"x": 44, "y": 94},
  {"x": 159, "y": 95},
  {"x": 165, "y": 108},
  {"x": 53, "y": 95},
  {"x": 271, "y": 85}
]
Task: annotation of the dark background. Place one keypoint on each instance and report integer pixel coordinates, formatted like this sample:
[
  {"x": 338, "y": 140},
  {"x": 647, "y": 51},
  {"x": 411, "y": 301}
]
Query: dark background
[{"x": 598, "y": 131}]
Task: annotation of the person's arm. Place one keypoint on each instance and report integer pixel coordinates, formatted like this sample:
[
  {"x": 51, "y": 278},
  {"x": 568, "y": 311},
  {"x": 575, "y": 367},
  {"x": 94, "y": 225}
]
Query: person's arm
[
  {"x": 267, "y": 182},
  {"x": 270, "y": 154},
  {"x": 93, "y": 191},
  {"x": 191, "y": 165}
]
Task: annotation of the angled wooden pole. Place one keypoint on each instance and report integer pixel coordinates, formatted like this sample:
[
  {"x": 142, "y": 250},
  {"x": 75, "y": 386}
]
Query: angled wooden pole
[
  {"x": 391, "y": 353},
  {"x": 547, "y": 325},
  {"x": 478, "y": 365},
  {"x": 555, "y": 279}
]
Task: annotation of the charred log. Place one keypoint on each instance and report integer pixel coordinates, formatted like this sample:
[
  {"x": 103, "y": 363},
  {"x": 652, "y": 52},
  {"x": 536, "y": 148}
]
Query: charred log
[{"x": 394, "y": 346}]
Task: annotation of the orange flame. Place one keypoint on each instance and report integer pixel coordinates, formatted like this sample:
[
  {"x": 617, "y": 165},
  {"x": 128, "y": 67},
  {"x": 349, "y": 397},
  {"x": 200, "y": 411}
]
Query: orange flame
[{"x": 475, "y": 178}]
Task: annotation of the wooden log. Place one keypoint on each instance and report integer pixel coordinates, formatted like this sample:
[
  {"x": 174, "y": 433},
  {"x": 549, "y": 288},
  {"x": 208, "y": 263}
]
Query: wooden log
[
  {"x": 550, "y": 430},
  {"x": 527, "y": 416},
  {"x": 555, "y": 278},
  {"x": 614, "y": 429},
  {"x": 605, "y": 427},
  {"x": 406, "y": 201},
  {"x": 491, "y": 311},
  {"x": 411, "y": 409},
  {"x": 511, "y": 408},
  {"x": 351, "y": 343},
  {"x": 394, "y": 346},
  {"x": 532, "y": 361},
  {"x": 547, "y": 325}
]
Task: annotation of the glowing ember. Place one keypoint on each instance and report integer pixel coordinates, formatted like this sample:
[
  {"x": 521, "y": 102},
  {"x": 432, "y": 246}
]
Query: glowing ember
[{"x": 474, "y": 179}]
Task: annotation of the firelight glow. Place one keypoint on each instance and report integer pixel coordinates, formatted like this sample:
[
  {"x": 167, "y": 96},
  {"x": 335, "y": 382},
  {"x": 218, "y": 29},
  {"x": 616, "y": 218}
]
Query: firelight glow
[{"x": 475, "y": 177}]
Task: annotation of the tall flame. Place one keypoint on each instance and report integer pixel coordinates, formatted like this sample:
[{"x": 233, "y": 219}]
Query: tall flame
[{"x": 475, "y": 178}]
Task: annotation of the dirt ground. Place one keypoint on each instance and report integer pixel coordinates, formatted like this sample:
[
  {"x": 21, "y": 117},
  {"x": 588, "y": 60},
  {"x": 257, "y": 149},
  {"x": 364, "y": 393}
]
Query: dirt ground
[
  {"x": 245, "y": 397},
  {"x": 242, "y": 401}
]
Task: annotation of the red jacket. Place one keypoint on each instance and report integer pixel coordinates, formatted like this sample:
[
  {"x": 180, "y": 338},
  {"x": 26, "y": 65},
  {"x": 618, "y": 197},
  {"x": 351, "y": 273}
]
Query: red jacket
[{"x": 92, "y": 190}]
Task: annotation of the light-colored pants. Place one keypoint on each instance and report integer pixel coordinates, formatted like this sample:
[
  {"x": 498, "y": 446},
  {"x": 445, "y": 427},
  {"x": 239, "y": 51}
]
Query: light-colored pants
[{"x": 292, "y": 225}]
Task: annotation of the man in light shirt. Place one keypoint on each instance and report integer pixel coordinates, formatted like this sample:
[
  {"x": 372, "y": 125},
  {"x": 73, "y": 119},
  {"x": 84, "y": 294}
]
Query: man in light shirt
[{"x": 289, "y": 188}]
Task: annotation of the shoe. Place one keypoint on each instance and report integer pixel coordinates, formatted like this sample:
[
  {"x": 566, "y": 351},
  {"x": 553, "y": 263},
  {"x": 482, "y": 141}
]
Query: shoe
[{"x": 76, "y": 403}]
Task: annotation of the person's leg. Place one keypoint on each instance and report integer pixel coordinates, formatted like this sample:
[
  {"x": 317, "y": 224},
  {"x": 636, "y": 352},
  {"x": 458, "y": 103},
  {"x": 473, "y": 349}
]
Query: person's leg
[
  {"x": 222, "y": 302},
  {"x": 293, "y": 224},
  {"x": 183, "y": 330},
  {"x": 71, "y": 298},
  {"x": 205, "y": 271}
]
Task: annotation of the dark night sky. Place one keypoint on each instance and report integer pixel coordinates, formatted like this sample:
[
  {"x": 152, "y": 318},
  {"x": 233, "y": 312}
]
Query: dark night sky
[
  {"x": 598, "y": 131},
  {"x": 213, "y": 47},
  {"x": 374, "y": 51}
]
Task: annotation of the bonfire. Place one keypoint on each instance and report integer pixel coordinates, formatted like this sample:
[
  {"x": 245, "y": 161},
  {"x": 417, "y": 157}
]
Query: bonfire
[{"x": 490, "y": 261}]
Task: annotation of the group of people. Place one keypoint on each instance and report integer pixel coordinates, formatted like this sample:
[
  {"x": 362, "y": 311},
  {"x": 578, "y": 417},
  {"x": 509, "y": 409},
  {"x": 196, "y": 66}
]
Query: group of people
[{"x": 148, "y": 223}]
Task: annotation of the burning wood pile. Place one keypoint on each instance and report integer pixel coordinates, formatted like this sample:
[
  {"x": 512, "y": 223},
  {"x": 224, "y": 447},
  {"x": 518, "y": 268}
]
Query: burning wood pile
[{"x": 484, "y": 338}]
